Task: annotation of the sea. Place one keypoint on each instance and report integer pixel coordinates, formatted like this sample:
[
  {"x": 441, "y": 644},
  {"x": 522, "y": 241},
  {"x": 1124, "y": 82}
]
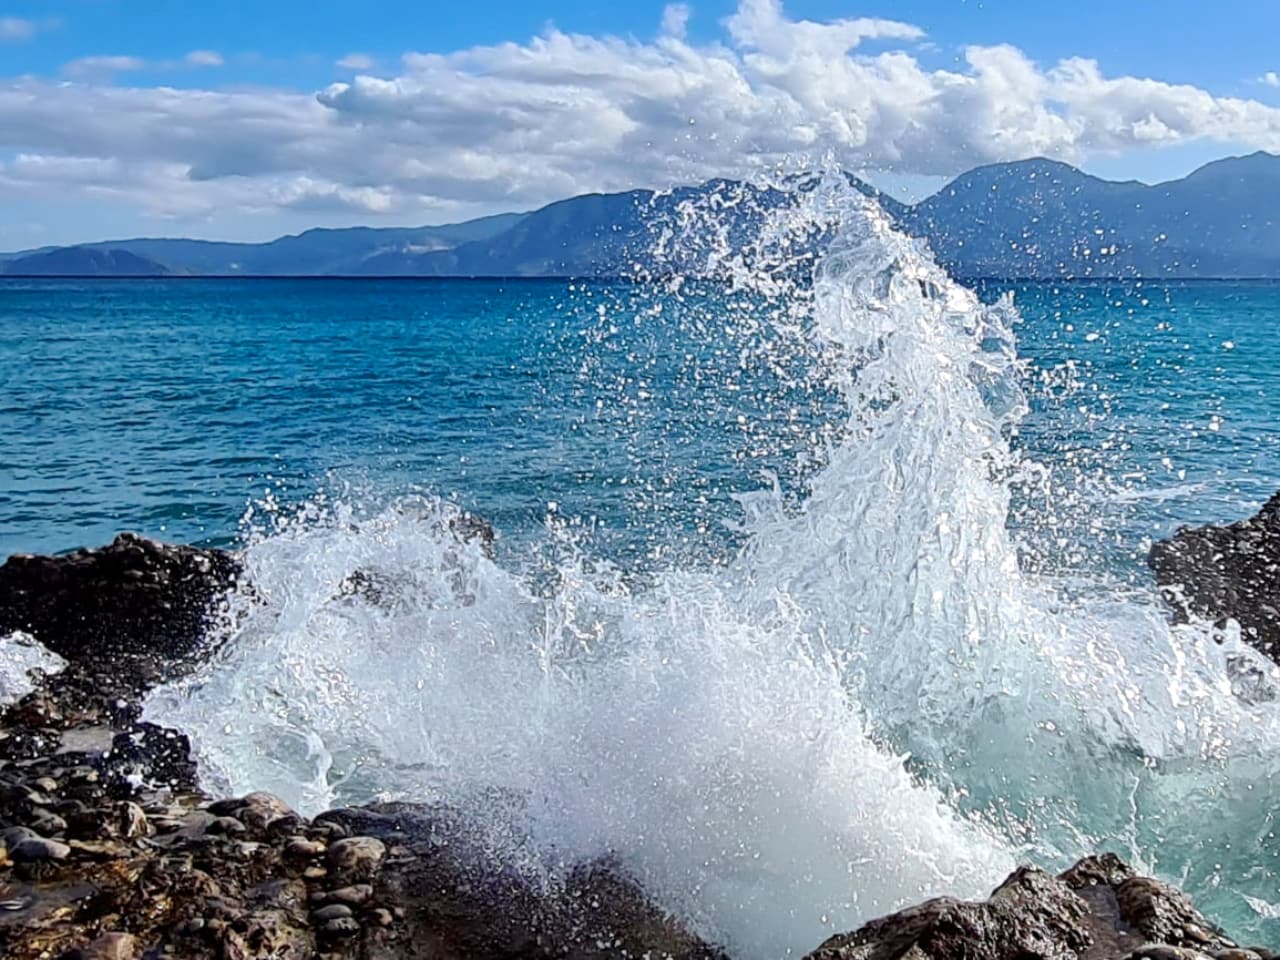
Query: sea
[{"x": 811, "y": 595}]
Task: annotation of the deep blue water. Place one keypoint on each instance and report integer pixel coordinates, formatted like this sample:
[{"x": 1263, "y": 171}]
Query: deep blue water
[{"x": 167, "y": 406}]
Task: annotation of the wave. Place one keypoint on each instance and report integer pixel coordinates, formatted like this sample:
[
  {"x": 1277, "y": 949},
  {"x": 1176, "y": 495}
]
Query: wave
[{"x": 869, "y": 704}]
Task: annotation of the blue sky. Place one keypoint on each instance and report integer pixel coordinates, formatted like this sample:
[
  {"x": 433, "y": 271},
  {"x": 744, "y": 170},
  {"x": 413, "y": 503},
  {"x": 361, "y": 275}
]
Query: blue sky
[{"x": 239, "y": 120}]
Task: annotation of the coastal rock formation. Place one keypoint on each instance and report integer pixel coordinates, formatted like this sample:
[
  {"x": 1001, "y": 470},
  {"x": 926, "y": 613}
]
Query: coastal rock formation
[
  {"x": 134, "y": 597},
  {"x": 1098, "y": 910},
  {"x": 110, "y": 849},
  {"x": 1227, "y": 572}
]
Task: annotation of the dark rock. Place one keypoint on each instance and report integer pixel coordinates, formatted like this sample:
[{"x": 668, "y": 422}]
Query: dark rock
[
  {"x": 340, "y": 927},
  {"x": 1226, "y": 572},
  {"x": 135, "y": 596},
  {"x": 1032, "y": 914},
  {"x": 1097, "y": 910},
  {"x": 357, "y": 857},
  {"x": 37, "y": 849},
  {"x": 332, "y": 912}
]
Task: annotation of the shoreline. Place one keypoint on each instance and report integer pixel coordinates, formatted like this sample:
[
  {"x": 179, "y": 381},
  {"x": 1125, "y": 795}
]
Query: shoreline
[{"x": 112, "y": 849}]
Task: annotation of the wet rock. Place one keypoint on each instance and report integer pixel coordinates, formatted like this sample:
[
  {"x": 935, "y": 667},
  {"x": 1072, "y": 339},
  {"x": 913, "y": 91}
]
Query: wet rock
[
  {"x": 47, "y": 824},
  {"x": 357, "y": 857},
  {"x": 340, "y": 927},
  {"x": 1226, "y": 572},
  {"x": 1097, "y": 910},
  {"x": 332, "y": 912},
  {"x": 111, "y": 946},
  {"x": 300, "y": 849},
  {"x": 134, "y": 596},
  {"x": 1031, "y": 914},
  {"x": 131, "y": 821},
  {"x": 353, "y": 896},
  {"x": 1164, "y": 914},
  {"x": 37, "y": 850}
]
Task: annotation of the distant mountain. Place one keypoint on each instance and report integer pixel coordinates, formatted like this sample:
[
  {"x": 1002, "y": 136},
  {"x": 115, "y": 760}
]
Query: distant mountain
[
  {"x": 1033, "y": 218},
  {"x": 1039, "y": 218},
  {"x": 82, "y": 262},
  {"x": 595, "y": 235},
  {"x": 318, "y": 252}
]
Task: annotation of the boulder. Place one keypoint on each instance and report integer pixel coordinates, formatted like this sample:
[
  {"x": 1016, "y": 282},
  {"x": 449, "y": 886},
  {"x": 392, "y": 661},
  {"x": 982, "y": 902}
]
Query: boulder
[
  {"x": 1099, "y": 909},
  {"x": 134, "y": 597},
  {"x": 1226, "y": 572}
]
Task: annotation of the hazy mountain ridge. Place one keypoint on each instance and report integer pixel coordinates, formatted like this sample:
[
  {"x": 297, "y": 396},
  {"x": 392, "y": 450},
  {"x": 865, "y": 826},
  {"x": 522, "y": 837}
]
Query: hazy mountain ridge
[{"x": 1031, "y": 218}]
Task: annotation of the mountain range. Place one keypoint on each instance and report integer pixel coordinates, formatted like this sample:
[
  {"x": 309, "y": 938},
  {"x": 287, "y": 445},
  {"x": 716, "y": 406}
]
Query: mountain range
[{"x": 1029, "y": 219}]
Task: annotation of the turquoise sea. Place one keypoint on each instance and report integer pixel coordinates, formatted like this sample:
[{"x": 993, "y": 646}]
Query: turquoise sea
[
  {"x": 167, "y": 406},
  {"x": 805, "y": 604}
]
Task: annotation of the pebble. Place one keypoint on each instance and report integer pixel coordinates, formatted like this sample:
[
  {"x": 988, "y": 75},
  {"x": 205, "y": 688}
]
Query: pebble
[
  {"x": 332, "y": 912},
  {"x": 341, "y": 927},
  {"x": 46, "y": 823},
  {"x": 300, "y": 848},
  {"x": 358, "y": 856},
  {"x": 47, "y": 784},
  {"x": 37, "y": 850},
  {"x": 1162, "y": 951},
  {"x": 12, "y": 836},
  {"x": 354, "y": 896},
  {"x": 382, "y": 917},
  {"x": 225, "y": 827},
  {"x": 112, "y": 946},
  {"x": 131, "y": 821}
]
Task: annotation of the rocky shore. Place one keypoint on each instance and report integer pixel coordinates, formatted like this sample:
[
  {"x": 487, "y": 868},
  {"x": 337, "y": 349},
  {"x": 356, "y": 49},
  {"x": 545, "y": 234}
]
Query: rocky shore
[{"x": 109, "y": 848}]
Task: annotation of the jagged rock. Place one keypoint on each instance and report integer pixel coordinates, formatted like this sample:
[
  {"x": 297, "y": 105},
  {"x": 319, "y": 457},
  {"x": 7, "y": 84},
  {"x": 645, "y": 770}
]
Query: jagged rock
[
  {"x": 136, "y": 596},
  {"x": 1097, "y": 910},
  {"x": 480, "y": 909},
  {"x": 1227, "y": 572},
  {"x": 1032, "y": 914}
]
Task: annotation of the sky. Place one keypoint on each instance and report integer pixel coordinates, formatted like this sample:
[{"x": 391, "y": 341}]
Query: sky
[{"x": 246, "y": 121}]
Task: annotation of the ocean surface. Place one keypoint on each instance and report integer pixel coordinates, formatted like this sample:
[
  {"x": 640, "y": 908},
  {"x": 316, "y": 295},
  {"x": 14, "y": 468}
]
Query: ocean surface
[{"x": 808, "y": 600}]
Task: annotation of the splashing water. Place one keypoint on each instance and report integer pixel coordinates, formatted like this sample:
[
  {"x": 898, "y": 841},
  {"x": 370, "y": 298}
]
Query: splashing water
[{"x": 871, "y": 703}]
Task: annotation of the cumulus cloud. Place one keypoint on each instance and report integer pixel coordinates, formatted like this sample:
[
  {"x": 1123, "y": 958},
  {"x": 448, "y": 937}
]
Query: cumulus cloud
[
  {"x": 203, "y": 58},
  {"x": 1270, "y": 78},
  {"x": 518, "y": 124},
  {"x": 356, "y": 61}
]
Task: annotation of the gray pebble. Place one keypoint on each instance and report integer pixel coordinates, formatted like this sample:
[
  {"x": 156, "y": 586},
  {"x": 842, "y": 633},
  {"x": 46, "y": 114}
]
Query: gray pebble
[
  {"x": 12, "y": 836},
  {"x": 36, "y": 850},
  {"x": 332, "y": 912},
  {"x": 341, "y": 927},
  {"x": 355, "y": 895},
  {"x": 47, "y": 824},
  {"x": 225, "y": 826},
  {"x": 359, "y": 856}
]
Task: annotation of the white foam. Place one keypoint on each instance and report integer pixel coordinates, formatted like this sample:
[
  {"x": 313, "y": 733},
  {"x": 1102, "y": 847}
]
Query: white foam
[
  {"x": 20, "y": 656},
  {"x": 785, "y": 747}
]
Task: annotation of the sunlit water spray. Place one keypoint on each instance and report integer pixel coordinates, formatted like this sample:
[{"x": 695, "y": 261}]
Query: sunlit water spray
[{"x": 870, "y": 704}]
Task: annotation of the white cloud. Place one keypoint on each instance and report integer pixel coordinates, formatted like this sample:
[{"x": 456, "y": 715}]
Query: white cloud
[
  {"x": 518, "y": 124},
  {"x": 356, "y": 61},
  {"x": 203, "y": 58},
  {"x": 94, "y": 68},
  {"x": 1270, "y": 78},
  {"x": 15, "y": 28},
  {"x": 675, "y": 20}
]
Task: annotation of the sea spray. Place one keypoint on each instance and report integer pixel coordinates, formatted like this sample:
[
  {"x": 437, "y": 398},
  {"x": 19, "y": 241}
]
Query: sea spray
[{"x": 870, "y": 704}]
